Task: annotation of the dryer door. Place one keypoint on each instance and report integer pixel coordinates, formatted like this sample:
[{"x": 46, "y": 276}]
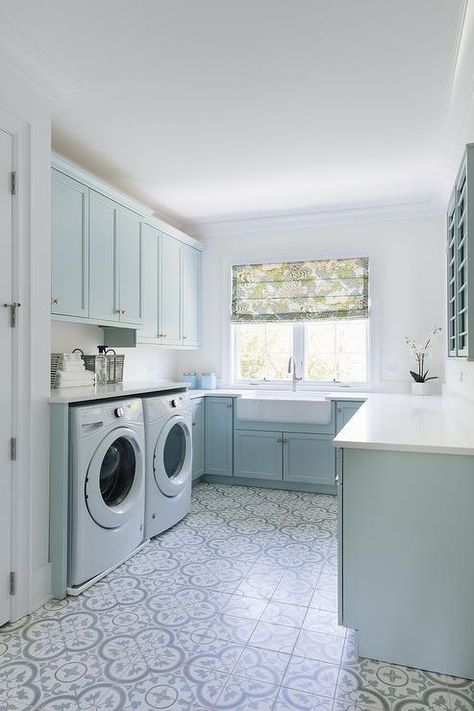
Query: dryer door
[
  {"x": 173, "y": 455},
  {"x": 114, "y": 482}
]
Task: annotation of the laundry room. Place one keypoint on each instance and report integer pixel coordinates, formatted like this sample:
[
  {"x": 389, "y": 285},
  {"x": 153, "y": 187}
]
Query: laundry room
[{"x": 236, "y": 354}]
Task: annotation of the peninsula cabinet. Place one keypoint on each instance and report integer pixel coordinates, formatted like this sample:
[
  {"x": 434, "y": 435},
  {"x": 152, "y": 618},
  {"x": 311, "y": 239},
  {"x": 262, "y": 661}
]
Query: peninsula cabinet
[
  {"x": 406, "y": 575},
  {"x": 70, "y": 246},
  {"x": 460, "y": 261}
]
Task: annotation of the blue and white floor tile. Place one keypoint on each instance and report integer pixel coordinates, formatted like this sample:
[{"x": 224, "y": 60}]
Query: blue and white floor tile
[{"x": 234, "y": 608}]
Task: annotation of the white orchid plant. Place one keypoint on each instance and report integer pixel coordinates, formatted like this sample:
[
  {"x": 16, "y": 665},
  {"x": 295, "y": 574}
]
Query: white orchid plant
[{"x": 420, "y": 352}]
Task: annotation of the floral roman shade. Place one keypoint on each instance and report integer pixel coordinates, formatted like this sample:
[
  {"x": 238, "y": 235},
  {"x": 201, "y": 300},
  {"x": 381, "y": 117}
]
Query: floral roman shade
[{"x": 301, "y": 291}]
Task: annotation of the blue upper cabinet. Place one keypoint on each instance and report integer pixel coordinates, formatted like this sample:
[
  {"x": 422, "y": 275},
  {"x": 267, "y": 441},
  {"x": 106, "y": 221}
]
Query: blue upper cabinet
[
  {"x": 129, "y": 267},
  {"x": 149, "y": 266},
  {"x": 115, "y": 262},
  {"x": 169, "y": 323},
  {"x": 191, "y": 296},
  {"x": 115, "y": 265},
  {"x": 70, "y": 245},
  {"x": 104, "y": 287}
]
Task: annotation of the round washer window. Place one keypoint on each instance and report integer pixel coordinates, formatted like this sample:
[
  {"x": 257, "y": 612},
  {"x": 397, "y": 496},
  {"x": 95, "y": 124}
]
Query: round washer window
[
  {"x": 174, "y": 452},
  {"x": 117, "y": 472}
]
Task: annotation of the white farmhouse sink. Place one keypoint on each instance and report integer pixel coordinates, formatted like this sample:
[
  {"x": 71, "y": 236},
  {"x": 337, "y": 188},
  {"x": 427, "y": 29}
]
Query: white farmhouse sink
[{"x": 284, "y": 406}]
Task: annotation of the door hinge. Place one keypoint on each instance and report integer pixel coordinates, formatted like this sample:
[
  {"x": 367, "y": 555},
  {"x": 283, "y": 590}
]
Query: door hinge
[
  {"x": 13, "y": 182},
  {"x": 12, "y": 583},
  {"x": 13, "y": 449}
]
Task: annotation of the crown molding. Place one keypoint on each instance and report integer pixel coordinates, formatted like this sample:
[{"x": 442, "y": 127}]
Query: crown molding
[
  {"x": 307, "y": 219},
  {"x": 26, "y": 58}
]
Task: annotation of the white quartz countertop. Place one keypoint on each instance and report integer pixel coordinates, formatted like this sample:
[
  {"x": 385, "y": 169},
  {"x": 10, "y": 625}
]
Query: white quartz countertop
[
  {"x": 299, "y": 394},
  {"x": 409, "y": 423},
  {"x": 101, "y": 392}
]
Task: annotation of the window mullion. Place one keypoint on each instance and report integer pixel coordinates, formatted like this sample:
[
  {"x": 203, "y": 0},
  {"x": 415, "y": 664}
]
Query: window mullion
[{"x": 298, "y": 348}]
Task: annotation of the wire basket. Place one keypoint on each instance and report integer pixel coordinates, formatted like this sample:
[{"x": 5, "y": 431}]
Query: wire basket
[
  {"x": 54, "y": 368},
  {"x": 115, "y": 364}
]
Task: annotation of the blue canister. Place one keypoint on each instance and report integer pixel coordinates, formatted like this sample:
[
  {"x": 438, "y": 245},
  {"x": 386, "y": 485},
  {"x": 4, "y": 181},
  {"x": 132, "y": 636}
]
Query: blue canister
[
  {"x": 191, "y": 379},
  {"x": 208, "y": 381}
]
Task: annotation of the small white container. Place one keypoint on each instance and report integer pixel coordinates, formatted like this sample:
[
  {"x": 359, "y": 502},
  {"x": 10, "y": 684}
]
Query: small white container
[
  {"x": 208, "y": 381},
  {"x": 191, "y": 379},
  {"x": 421, "y": 388}
]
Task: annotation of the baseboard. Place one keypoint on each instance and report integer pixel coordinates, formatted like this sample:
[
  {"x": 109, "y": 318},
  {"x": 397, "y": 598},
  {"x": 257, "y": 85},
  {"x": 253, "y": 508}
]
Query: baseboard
[{"x": 268, "y": 484}]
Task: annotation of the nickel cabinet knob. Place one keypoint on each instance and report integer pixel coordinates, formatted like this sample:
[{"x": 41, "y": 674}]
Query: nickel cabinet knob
[{"x": 54, "y": 300}]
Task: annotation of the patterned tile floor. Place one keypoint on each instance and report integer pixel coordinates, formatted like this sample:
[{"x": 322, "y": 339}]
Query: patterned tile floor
[{"x": 234, "y": 608}]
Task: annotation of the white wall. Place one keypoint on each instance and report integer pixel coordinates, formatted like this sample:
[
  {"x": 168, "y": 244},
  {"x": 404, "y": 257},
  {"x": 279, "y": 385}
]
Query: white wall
[
  {"x": 21, "y": 100},
  {"x": 141, "y": 363},
  {"x": 406, "y": 286}
]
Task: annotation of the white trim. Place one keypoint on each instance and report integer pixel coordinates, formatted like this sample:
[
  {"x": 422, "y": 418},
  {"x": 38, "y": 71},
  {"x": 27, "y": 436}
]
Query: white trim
[
  {"x": 26, "y": 58},
  {"x": 342, "y": 214},
  {"x": 21, "y": 367}
]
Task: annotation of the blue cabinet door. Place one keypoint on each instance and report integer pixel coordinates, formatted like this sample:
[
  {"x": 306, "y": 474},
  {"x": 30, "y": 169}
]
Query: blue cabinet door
[
  {"x": 308, "y": 458},
  {"x": 191, "y": 296},
  {"x": 129, "y": 267},
  {"x": 258, "y": 455},
  {"x": 69, "y": 246},
  {"x": 149, "y": 258},
  {"x": 198, "y": 420},
  {"x": 170, "y": 292},
  {"x": 344, "y": 411},
  {"x": 103, "y": 261},
  {"x": 219, "y": 436}
]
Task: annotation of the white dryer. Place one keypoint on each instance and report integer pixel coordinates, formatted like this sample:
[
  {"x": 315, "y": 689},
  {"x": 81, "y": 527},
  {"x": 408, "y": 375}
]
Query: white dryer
[
  {"x": 107, "y": 487},
  {"x": 168, "y": 460}
]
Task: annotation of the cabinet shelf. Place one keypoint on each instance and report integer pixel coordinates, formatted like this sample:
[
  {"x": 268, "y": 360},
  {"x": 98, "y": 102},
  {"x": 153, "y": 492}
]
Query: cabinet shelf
[{"x": 460, "y": 262}]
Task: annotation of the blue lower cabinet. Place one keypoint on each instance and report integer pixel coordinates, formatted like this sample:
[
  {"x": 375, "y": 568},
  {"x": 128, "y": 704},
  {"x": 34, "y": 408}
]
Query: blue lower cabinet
[
  {"x": 344, "y": 411},
  {"x": 258, "y": 455},
  {"x": 219, "y": 436},
  {"x": 308, "y": 458},
  {"x": 198, "y": 420}
]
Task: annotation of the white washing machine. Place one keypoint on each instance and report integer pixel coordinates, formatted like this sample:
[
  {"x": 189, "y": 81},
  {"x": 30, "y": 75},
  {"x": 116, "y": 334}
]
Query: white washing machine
[
  {"x": 168, "y": 460},
  {"x": 107, "y": 487}
]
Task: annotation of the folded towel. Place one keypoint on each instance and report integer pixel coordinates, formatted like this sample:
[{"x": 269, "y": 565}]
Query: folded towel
[
  {"x": 71, "y": 367},
  {"x": 84, "y": 378},
  {"x": 70, "y": 356}
]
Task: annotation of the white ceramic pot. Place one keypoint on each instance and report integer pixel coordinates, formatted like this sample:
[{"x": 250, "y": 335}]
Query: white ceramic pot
[{"x": 420, "y": 388}]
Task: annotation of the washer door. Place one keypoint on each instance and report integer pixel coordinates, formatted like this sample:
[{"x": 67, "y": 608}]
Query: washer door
[
  {"x": 114, "y": 481},
  {"x": 172, "y": 459}
]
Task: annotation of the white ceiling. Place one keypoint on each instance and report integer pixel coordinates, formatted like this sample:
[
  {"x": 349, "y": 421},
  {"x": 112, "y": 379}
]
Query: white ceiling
[{"x": 215, "y": 108}]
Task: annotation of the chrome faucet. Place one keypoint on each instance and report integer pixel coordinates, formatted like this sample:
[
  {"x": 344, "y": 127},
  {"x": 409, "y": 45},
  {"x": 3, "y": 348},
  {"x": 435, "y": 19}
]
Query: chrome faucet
[{"x": 292, "y": 370}]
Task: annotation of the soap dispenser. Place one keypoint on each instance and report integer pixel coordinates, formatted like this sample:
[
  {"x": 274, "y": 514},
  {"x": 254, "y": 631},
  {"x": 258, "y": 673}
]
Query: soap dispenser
[{"x": 101, "y": 366}]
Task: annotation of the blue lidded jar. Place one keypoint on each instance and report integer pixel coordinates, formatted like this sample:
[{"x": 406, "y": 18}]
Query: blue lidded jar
[
  {"x": 191, "y": 379},
  {"x": 208, "y": 381}
]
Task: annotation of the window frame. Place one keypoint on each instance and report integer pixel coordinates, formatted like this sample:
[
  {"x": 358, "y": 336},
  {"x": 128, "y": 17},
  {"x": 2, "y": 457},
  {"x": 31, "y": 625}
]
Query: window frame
[{"x": 299, "y": 354}]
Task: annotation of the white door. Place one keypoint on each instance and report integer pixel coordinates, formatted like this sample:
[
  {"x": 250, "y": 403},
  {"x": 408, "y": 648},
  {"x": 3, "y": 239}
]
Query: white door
[{"x": 6, "y": 162}]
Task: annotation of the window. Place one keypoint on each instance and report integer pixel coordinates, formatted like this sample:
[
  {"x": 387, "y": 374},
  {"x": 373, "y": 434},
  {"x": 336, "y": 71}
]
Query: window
[{"x": 316, "y": 312}]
